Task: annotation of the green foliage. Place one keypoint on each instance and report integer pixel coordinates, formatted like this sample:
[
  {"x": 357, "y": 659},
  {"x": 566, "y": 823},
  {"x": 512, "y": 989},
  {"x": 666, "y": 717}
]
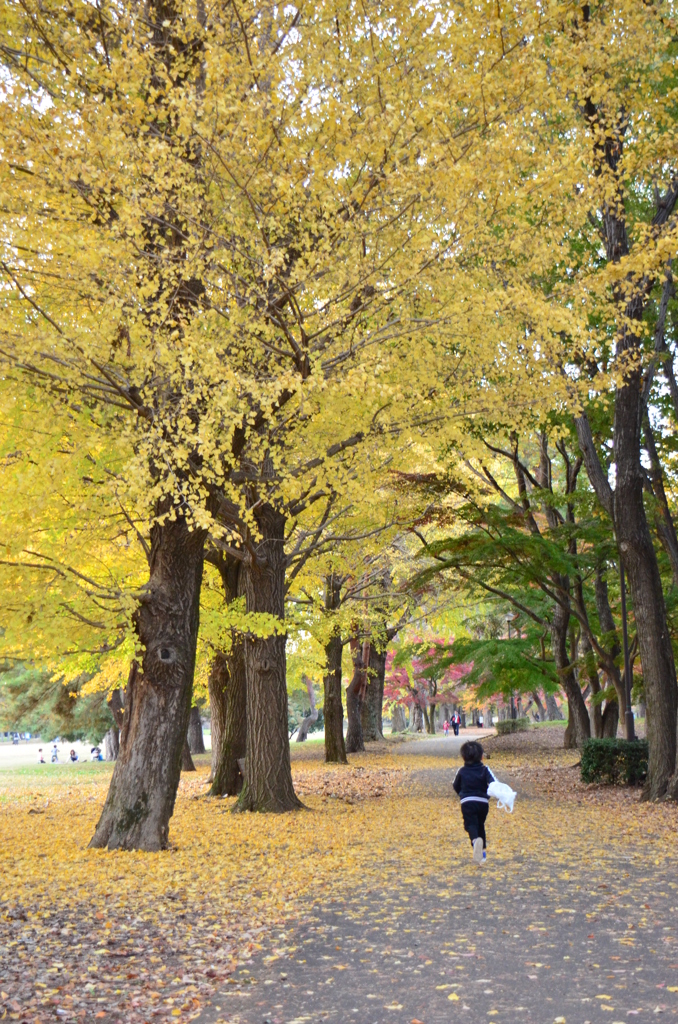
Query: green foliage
[
  {"x": 32, "y": 701},
  {"x": 513, "y": 725},
  {"x": 503, "y": 666},
  {"x": 614, "y": 761}
]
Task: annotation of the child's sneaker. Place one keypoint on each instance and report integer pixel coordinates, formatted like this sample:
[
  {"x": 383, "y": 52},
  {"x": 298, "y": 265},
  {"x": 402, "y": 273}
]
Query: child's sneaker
[{"x": 478, "y": 850}]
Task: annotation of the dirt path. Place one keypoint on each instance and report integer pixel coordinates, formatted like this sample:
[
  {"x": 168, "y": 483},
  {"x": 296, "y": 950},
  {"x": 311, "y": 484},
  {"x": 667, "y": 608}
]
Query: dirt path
[{"x": 567, "y": 928}]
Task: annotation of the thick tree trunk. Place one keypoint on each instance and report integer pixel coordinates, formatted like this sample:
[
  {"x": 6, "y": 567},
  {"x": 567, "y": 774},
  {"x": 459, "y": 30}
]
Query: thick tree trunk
[
  {"x": 552, "y": 709},
  {"x": 371, "y": 716},
  {"x": 186, "y": 759},
  {"x": 398, "y": 721},
  {"x": 355, "y": 695},
  {"x": 580, "y": 727},
  {"x": 112, "y": 744},
  {"x": 335, "y": 748},
  {"x": 312, "y": 717},
  {"x": 143, "y": 788},
  {"x": 231, "y": 671},
  {"x": 217, "y": 686},
  {"x": 416, "y": 719},
  {"x": 196, "y": 740},
  {"x": 268, "y": 776}
]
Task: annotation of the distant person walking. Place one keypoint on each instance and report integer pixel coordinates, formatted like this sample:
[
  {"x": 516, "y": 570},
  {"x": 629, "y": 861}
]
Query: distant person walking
[
  {"x": 481, "y": 720},
  {"x": 470, "y": 784},
  {"x": 55, "y": 754},
  {"x": 446, "y": 727},
  {"x": 456, "y": 722}
]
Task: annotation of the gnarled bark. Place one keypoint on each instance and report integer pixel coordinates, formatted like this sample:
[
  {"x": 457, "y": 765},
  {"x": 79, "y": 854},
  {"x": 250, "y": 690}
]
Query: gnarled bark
[
  {"x": 371, "y": 713},
  {"x": 268, "y": 774},
  {"x": 143, "y": 787}
]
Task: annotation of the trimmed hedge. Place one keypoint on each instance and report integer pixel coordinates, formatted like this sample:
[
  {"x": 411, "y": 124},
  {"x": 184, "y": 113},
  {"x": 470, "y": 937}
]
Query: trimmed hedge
[
  {"x": 614, "y": 761},
  {"x": 513, "y": 725}
]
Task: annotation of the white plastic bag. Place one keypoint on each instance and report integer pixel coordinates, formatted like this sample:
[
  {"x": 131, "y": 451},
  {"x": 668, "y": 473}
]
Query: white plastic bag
[{"x": 503, "y": 794}]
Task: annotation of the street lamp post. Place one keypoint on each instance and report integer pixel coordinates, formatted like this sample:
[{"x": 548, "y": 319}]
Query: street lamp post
[{"x": 628, "y": 718}]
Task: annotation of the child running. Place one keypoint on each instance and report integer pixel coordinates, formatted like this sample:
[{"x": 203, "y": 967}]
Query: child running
[{"x": 470, "y": 784}]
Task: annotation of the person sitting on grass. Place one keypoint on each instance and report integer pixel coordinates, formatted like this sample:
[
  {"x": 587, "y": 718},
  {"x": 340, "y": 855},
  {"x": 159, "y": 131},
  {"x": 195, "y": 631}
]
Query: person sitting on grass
[
  {"x": 73, "y": 756},
  {"x": 470, "y": 784}
]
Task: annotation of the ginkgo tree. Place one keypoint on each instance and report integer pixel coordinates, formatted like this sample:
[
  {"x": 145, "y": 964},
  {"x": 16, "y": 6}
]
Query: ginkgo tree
[{"x": 214, "y": 221}]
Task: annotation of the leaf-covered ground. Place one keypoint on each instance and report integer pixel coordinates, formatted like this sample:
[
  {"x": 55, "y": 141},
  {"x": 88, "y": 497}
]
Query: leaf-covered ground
[{"x": 575, "y": 914}]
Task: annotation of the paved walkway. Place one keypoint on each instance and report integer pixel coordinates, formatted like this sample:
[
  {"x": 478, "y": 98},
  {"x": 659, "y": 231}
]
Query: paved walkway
[{"x": 531, "y": 944}]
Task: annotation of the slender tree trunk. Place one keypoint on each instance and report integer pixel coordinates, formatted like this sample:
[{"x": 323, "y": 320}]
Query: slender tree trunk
[
  {"x": 196, "y": 740},
  {"x": 268, "y": 775},
  {"x": 143, "y": 787},
  {"x": 640, "y": 561},
  {"x": 374, "y": 695},
  {"x": 611, "y": 641},
  {"x": 625, "y": 505},
  {"x": 228, "y": 778},
  {"x": 186, "y": 759},
  {"x": 355, "y": 695},
  {"x": 610, "y": 722},
  {"x": 541, "y": 710},
  {"x": 335, "y": 748},
  {"x": 664, "y": 525},
  {"x": 579, "y": 717},
  {"x": 591, "y": 673},
  {"x": 217, "y": 685}
]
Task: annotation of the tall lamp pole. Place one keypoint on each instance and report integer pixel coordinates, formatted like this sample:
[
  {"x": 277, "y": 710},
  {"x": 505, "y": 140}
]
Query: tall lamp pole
[{"x": 628, "y": 718}]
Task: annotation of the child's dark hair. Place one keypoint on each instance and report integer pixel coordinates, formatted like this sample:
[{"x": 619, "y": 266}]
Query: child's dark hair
[{"x": 472, "y": 752}]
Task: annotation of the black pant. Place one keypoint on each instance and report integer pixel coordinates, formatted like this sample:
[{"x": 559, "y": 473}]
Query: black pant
[
  {"x": 455, "y": 726},
  {"x": 474, "y": 813}
]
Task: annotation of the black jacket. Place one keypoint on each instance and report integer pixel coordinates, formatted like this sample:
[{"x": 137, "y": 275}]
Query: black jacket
[{"x": 471, "y": 782}]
